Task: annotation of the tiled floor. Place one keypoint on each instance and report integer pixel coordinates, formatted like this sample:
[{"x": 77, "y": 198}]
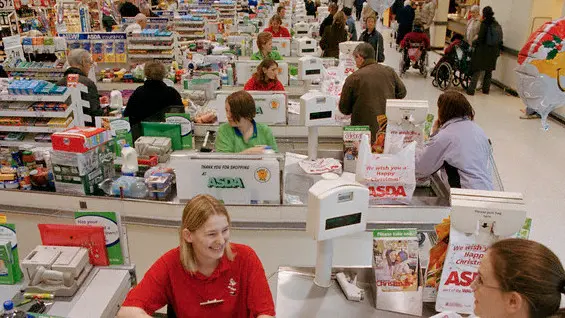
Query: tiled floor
[{"x": 530, "y": 160}]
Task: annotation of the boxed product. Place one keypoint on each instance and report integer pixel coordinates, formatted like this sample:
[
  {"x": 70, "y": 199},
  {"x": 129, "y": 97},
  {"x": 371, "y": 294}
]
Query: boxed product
[
  {"x": 80, "y": 139},
  {"x": 72, "y": 163},
  {"x": 351, "y": 138},
  {"x": 154, "y": 146},
  {"x": 10, "y": 271},
  {"x": 67, "y": 179}
]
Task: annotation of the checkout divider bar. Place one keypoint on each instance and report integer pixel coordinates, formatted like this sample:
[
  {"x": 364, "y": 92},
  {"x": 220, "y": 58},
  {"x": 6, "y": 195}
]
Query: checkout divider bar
[{"x": 168, "y": 214}]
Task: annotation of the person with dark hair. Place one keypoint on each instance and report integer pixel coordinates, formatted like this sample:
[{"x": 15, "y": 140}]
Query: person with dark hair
[
  {"x": 487, "y": 48},
  {"x": 365, "y": 92},
  {"x": 396, "y": 7},
  {"x": 359, "y": 8},
  {"x": 519, "y": 278},
  {"x": 458, "y": 145},
  {"x": 374, "y": 37},
  {"x": 333, "y": 36},
  {"x": 276, "y": 28},
  {"x": 152, "y": 100},
  {"x": 281, "y": 11},
  {"x": 328, "y": 21},
  {"x": 350, "y": 22},
  {"x": 128, "y": 9},
  {"x": 311, "y": 8},
  {"x": 241, "y": 134},
  {"x": 405, "y": 18},
  {"x": 265, "y": 79}
]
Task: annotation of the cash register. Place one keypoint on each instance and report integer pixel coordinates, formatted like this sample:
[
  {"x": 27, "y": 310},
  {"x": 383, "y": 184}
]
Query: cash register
[{"x": 58, "y": 270}]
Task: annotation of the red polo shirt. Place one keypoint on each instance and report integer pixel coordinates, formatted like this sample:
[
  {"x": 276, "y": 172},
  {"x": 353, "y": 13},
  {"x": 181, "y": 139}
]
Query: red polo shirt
[
  {"x": 283, "y": 32},
  {"x": 241, "y": 284},
  {"x": 254, "y": 85}
]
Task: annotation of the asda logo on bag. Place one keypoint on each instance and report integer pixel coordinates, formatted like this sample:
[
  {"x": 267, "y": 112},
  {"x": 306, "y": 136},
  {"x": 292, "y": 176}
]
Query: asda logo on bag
[
  {"x": 225, "y": 183},
  {"x": 465, "y": 280},
  {"x": 387, "y": 191}
]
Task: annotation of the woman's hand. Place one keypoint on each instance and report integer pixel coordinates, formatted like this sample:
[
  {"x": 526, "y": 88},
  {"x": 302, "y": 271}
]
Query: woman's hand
[
  {"x": 132, "y": 312},
  {"x": 257, "y": 150},
  {"x": 436, "y": 126}
]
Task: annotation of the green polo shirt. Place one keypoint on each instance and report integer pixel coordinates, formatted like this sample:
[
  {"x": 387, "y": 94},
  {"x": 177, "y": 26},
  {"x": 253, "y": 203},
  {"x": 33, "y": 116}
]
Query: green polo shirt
[
  {"x": 274, "y": 55},
  {"x": 230, "y": 139}
]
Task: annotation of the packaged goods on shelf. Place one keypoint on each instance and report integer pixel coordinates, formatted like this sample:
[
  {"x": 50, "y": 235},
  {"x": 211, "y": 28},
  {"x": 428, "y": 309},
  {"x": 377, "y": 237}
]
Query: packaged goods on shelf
[
  {"x": 80, "y": 139},
  {"x": 35, "y": 87},
  {"x": 105, "y": 47}
]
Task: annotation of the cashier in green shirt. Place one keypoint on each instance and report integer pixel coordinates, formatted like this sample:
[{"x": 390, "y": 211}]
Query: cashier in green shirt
[
  {"x": 241, "y": 134},
  {"x": 265, "y": 46}
]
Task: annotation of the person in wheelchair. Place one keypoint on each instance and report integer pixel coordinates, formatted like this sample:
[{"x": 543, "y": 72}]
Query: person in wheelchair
[{"x": 415, "y": 39}]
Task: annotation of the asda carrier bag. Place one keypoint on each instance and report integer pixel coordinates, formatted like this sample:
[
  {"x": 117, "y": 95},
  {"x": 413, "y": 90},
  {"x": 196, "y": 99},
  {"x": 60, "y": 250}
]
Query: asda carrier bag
[
  {"x": 389, "y": 177},
  {"x": 478, "y": 219}
]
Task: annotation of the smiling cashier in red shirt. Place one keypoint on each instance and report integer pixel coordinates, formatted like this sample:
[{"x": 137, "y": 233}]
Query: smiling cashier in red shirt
[
  {"x": 206, "y": 276},
  {"x": 265, "y": 79}
]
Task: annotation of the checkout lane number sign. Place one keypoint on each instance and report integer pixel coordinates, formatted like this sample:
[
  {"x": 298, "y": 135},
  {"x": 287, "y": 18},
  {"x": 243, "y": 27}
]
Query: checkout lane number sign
[
  {"x": 6, "y": 4},
  {"x": 262, "y": 175}
]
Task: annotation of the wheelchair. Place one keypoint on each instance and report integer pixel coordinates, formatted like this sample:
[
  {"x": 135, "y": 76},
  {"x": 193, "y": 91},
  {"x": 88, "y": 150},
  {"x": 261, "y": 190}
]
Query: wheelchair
[
  {"x": 454, "y": 68},
  {"x": 415, "y": 55}
]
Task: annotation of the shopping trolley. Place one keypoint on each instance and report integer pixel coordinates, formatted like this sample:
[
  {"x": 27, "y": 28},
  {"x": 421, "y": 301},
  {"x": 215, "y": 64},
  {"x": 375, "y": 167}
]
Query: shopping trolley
[{"x": 496, "y": 180}]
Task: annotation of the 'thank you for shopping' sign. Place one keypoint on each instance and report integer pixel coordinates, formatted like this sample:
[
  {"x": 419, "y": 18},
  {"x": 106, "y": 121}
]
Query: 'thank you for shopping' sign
[{"x": 234, "y": 181}]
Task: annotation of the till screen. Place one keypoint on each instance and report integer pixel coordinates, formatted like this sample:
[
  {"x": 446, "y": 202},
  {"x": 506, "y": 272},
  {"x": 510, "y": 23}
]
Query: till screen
[
  {"x": 321, "y": 115},
  {"x": 344, "y": 220}
]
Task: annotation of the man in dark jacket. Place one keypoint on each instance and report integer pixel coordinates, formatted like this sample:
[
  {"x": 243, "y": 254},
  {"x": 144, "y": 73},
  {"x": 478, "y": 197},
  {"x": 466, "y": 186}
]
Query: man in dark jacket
[
  {"x": 365, "y": 92},
  {"x": 396, "y": 7},
  {"x": 485, "y": 55},
  {"x": 151, "y": 101},
  {"x": 80, "y": 62},
  {"x": 374, "y": 37},
  {"x": 128, "y": 9},
  {"x": 332, "y": 8},
  {"x": 311, "y": 8}
]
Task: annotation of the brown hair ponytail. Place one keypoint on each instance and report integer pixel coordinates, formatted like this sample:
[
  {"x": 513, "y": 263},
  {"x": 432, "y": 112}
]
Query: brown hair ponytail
[{"x": 533, "y": 271}]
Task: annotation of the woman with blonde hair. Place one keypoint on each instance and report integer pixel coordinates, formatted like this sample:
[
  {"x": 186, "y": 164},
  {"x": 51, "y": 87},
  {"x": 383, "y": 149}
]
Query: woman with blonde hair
[
  {"x": 276, "y": 28},
  {"x": 207, "y": 275},
  {"x": 265, "y": 46},
  {"x": 265, "y": 79},
  {"x": 333, "y": 36}
]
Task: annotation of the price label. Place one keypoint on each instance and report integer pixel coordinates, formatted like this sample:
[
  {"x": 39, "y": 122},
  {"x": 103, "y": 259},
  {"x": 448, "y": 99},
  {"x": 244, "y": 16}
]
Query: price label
[
  {"x": 39, "y": 114},
  {"x": 6, "y": 5}
]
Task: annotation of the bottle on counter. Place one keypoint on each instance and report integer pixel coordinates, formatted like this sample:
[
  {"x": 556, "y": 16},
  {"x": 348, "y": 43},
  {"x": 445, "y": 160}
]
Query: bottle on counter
[
  {"x": 129, "y": 161},
  {"x": 10, "y": 312}
]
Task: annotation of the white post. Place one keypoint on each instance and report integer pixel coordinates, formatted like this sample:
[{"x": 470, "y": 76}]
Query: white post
[
  {"x": 324, "y": 260},
  {"x": 312, "y": 142}
]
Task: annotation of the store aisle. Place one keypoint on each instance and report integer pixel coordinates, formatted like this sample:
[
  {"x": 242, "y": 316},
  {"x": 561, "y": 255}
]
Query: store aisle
[{"x": 529, "y": 159}]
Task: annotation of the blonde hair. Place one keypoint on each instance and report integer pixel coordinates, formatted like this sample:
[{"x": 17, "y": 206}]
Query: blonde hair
[
  {"x": 194, "y": 215},
  {"x": 339, "y": 19}
]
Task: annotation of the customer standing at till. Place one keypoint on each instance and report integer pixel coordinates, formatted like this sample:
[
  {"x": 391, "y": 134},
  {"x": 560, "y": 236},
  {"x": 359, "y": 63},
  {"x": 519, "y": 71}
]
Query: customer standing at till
[
  {"x": 333, "y": 36},
  {"x": 332, "y": 9},
  {"x": 487, "y": 49},
  {"x": 365, "y": 92}
]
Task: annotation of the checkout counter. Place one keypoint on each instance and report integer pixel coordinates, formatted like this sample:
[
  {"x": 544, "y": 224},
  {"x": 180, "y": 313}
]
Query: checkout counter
[{"x": 99, "y": 296}]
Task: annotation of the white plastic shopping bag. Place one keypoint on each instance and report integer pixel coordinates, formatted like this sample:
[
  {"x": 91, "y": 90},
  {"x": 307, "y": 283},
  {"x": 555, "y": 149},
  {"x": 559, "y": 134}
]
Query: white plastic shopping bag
[{"x": 390, "y": 177}]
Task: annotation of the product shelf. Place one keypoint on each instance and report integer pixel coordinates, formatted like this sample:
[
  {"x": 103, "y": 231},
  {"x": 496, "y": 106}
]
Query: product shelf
[
  {"x": 34, "y": 129},
  {"x": 38, "y": 114},
  {"x": 151, "y": 56},
  {"x": 36, "y": 98},
  {"x": 150, "y": 47},
  {"x": 27, "y": 141},
  {"x": 150, "y": 39}
]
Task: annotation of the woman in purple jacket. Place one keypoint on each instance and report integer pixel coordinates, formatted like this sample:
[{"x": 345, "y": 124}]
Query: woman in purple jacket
[{"x": 457, "y": 145}]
